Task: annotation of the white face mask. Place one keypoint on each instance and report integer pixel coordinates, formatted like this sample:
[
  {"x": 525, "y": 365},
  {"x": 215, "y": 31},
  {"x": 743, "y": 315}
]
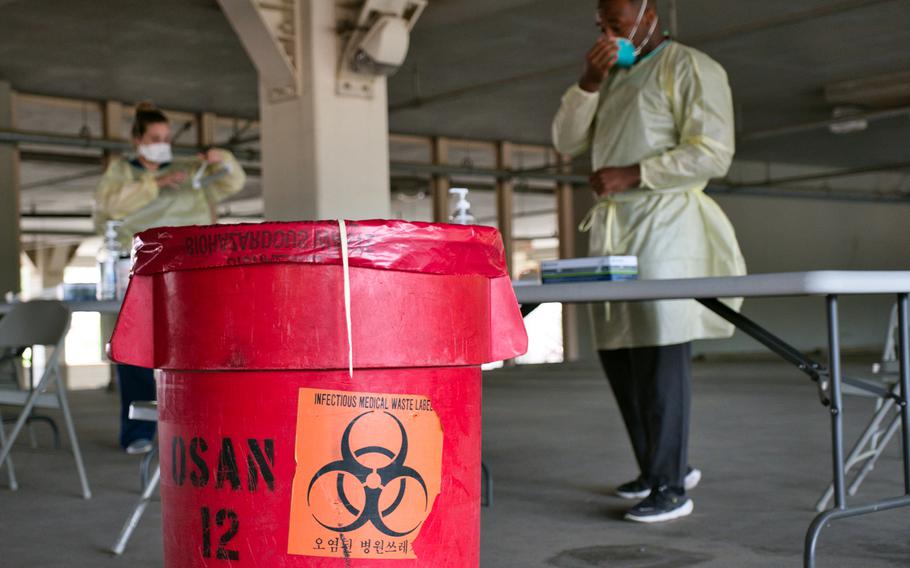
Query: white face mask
[{"x": 158, "y": 153}]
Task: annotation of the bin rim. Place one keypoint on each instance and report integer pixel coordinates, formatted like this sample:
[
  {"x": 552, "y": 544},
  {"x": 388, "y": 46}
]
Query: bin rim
[{"x": 407, "y": 246}]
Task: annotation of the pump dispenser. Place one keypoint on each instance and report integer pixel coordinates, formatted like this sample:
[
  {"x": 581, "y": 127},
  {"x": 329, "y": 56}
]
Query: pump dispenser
[{"x": 462, "y": 214}]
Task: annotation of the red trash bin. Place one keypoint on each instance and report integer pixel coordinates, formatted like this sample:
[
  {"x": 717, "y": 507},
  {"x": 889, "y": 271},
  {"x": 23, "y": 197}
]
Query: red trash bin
[{"x": 272, "y": 453}]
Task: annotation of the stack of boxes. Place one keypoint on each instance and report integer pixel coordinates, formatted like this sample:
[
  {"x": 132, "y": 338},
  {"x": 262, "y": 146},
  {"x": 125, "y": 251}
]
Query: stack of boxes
[{"x": 592, "y": 269}]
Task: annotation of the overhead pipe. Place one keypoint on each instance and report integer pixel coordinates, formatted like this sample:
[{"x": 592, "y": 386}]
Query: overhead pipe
[
  {"x": 61, "y": 179},
  {"x": 854, "y": 196},
  {"x": 782, "y": 181},
  {"x": 15, "y": 137},
  {"x": 45, "y": 138},
  {"x": 25, "y": 137},
  {"x": 778, "y": 131}
]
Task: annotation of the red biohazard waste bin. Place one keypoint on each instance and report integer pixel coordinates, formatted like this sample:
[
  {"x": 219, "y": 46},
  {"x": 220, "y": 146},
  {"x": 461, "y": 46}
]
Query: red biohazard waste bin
[{"x": 273, "y": 453}]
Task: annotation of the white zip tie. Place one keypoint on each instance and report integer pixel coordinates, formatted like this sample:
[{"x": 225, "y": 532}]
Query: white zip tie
[{"x": 347, "y": 293}]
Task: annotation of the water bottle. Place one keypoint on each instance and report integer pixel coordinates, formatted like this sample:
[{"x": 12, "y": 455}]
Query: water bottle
[{"x": 108, "y": 259}]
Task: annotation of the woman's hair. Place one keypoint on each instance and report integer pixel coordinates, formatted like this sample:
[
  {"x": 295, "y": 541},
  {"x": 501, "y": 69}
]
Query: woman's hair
[{"x": 146, "y": 114}]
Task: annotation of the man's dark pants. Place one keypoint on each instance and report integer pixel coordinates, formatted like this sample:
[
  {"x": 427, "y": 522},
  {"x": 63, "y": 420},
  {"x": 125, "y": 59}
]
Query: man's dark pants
[
  {"x": 136, "y": 384},
  {"x": 652, "y": 386}
]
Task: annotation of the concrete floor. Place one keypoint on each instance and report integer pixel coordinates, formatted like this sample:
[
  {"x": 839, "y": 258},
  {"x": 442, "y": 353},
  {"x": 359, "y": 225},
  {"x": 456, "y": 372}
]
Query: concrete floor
[{"x": 555, "y": 443}]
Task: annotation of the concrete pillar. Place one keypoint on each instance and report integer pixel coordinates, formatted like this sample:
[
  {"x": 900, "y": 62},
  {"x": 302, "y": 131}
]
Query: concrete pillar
[
  {"x": 567, "y": 230},
  {"x": 50, "y": 262},
  {"x": 112, "y": 126},
  {"x": 582, "y": 201},
  {"x": 325, "y": 155},
  {"x": 10, "y": 247},
  {"x": 505, "y": 188},
  {"x": 205, "y": 129},
  {"x": 440, "y": 184},
  {"x": 205, "y": 137}
]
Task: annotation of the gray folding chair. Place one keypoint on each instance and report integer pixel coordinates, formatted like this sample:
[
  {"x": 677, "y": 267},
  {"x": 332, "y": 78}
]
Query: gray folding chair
[
  {"x": 884, "y": 423},
  {"x": 43, "y": 322},
  {"x": 8, "y": 369},
  {"x": 10, "y": 361}
]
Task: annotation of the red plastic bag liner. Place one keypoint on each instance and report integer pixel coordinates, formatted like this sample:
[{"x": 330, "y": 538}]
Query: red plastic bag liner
[{"x": 418, "y": 293}]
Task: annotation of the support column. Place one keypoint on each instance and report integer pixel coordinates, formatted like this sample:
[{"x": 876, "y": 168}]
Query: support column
[
  {"x": 50, "y": 261},
  {"x": 440, "y": 184},
  {"x": 505, "y": 188},
  {"x": 205, "y": 137},
  {"x": 112, "y": 127},
  {"x": 567, "y": 229},
  {"x": 205, "y": 129},
  {"x": 582, "y": 201},
  {"x": 10, "y": 246},
  {"x": 324, "y": 155}
]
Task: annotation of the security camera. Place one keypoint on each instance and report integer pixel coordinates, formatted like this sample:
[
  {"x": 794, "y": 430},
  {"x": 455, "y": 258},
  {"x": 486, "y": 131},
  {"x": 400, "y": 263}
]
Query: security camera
[
  {"x": 384, "y": 47},
  {"x": 377, "y": 44}
]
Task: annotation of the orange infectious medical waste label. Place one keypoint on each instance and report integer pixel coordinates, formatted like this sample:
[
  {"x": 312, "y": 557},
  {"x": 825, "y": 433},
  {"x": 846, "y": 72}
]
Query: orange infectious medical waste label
[{"x": 369, "y": 468}]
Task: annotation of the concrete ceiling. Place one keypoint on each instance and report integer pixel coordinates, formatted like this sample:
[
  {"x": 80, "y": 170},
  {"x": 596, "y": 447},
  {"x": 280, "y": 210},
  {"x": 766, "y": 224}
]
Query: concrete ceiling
[
  {"x": 484, "y": 69},
  {"x": 779, "y": 55},
  {"x": 181, "y": 53}
]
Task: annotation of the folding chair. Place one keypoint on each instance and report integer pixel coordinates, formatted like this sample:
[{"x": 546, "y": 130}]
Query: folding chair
[
  {"x": 43, "y": 322},
  {"x": 9, "y": 370},
  {"x": 885, "y": 421}
]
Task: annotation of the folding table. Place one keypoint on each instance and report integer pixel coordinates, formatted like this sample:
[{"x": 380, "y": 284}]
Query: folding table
[{"x": 829, "y": 379}]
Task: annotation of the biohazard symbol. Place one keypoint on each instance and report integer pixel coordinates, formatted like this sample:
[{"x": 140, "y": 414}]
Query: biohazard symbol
[
  {"x": 374, "y": 481},
  {"x": 368, "y": 470}
]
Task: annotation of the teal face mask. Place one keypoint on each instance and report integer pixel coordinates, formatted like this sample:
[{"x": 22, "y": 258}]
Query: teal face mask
[
  {"x": 625, "y": 56},
  {"x": 628, "y": 53}
]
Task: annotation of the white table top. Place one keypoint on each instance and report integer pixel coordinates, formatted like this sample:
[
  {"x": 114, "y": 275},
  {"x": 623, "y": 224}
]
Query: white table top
[
  {"x": 816, "y": 283},
  {"x": 104, "y": 307}
]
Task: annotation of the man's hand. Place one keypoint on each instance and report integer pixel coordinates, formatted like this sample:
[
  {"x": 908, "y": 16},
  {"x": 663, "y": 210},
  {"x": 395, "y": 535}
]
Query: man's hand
[
  {"x": 607, "y": 181},
  {"x": 598, "y": 62},
  {"x": 172, "y": 179}
]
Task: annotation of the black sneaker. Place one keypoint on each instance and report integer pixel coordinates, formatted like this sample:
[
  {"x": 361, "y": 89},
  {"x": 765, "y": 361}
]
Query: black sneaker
[
  {"x": 636, "y": 489},
  {"x": 661, "y": 505},
  {"x": 639, "y": 488}
]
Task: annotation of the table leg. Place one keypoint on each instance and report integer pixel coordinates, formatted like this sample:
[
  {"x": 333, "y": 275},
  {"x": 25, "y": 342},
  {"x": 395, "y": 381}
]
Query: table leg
[
  {"x": 837, "y": 435},
  {"x": 904, "y": 353},
  {"x": 836, "y": 409}
]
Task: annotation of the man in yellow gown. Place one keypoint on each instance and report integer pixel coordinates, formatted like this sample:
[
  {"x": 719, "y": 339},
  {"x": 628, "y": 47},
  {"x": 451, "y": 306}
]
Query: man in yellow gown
[{"x": 657, "y": 117}]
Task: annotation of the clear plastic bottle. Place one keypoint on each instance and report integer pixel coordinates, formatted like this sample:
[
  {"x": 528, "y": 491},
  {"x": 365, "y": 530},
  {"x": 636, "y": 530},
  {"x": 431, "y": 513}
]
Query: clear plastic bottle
[
  {"x": 124, "y": 266},
  {"x": 108, "y": 258}
]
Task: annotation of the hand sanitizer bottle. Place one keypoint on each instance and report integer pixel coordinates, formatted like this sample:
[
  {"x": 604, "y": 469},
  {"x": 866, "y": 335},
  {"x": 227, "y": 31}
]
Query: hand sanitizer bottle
[
  {"x": 108, "y": 258},
  {"x": 462, "y": 214}
]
